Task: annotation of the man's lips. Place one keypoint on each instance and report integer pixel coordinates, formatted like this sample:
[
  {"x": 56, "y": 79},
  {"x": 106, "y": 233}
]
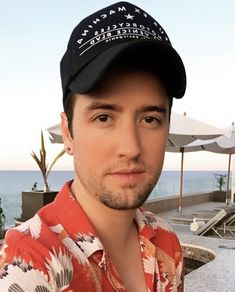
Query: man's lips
[
  {"x": 127, "y": 170},
  {"x": 127, "y": 174}
]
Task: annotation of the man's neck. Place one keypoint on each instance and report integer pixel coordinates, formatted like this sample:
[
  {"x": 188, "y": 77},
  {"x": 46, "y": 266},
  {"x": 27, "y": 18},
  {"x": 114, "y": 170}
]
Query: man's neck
[
  {"x": 113, "y": 227},
  {"x": 119, "y": 235}
]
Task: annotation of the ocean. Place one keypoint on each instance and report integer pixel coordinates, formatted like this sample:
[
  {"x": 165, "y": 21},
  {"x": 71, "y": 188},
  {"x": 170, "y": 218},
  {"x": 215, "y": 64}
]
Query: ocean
[{"x": 12, "y": 183}]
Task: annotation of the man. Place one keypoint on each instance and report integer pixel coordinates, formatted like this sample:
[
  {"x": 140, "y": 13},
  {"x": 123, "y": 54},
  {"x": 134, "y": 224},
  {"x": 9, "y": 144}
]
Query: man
[{"x": 119, "y": 75}]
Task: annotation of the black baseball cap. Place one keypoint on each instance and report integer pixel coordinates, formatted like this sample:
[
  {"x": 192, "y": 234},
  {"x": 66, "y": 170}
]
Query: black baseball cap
[{"x": 110, "y": 33}]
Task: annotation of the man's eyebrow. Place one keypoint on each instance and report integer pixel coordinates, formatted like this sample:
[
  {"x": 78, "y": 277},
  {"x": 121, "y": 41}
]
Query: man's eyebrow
[
  {"x": 153, "y": 108},
  {"x": 102, "y": 105},
  {"x": 96, "y": 105}
]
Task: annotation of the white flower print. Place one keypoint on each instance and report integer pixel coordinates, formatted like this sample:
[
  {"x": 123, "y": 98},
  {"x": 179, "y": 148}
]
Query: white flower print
[
  {"x": 70, "y": 244},
  {"x": 16, "y": 279},
  {"x": 57, "y": 228},
  {"x": 158, "y": 222},
  {"x": 150, "y": 219},
  {"x": 3, "y": 256},
  {"x": 32, "y": 225},
  {"x": 140, "y": 219},
  {"x": 89, "y": 243},
  {"x": 174, "y": 288},
  {"x": 75, "y": 250},
  {"x": 149, "y": 264},
  {"x": 21, "y": 263},
  {"x": 179, "y": 271},
  {"x": 60, "y": 269},
  {"x": 22, "y": 277}
]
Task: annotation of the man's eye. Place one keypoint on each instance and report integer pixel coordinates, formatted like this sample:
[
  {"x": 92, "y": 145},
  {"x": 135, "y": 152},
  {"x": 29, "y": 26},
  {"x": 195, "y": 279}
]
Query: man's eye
[
  {"x": 103, "y": 118},
  {"x": 150, "y": 120}
]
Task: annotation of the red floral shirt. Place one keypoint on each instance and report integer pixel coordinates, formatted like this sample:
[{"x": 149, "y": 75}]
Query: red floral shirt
[{"x": 58, "y": 250}]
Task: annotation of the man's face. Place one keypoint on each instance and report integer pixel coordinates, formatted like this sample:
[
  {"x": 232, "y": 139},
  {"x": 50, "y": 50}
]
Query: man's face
[{"x": 119, "y": 137}]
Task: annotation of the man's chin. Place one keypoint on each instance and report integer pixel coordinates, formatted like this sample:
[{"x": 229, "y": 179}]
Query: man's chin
[
  {"x": 123, "y": 207},
  {"x": 127, "y": 201}
]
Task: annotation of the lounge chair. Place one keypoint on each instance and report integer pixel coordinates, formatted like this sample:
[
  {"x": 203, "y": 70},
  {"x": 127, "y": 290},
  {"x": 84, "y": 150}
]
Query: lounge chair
[
  {"x": 228, "y": 228},
  {"x": 196, "y": 216},
  {"x": 221, "y": 224}
]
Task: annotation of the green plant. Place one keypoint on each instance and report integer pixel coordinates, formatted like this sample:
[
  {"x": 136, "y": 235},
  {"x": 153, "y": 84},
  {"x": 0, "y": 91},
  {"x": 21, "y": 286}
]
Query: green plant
[
  {"x": 2, "y": 220},
  {"x": 221, "y": 180},
  {"x": 34, "y": 186},
  {"x": 42, "y": 164}
]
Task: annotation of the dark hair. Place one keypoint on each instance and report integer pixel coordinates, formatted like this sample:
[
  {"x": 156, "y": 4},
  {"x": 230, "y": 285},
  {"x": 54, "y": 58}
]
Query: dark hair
[
  {"x": 132, "y": 61},
  {"x": 68, "y": 109}
]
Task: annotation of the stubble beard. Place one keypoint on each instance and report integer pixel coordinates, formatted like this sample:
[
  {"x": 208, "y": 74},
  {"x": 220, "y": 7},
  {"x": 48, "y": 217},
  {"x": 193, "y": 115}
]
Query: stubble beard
[{"x": 127, "y": 197}]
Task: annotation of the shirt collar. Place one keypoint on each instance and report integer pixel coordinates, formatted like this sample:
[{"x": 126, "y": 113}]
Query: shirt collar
[
  {"x": 78, "y": 226},
  {"x": 75, "y": 222},
  {"x": 145, "y": 222}
]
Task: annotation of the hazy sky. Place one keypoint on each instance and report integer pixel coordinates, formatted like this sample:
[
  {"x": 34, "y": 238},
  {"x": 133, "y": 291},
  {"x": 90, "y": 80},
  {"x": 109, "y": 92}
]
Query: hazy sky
[{"x": 33, "y": 38}]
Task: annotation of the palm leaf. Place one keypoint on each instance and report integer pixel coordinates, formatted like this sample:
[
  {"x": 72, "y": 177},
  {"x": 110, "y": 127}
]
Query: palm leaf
[
  {"x": 41, "y": 162},
  {"x": 54, "y": 161},
  {"x": 38, "y": 161},
  {"x": 43, "y": 152}
]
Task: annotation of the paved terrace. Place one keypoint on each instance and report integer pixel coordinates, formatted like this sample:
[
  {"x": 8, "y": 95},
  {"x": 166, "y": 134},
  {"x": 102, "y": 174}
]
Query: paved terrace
[{"x": 217, "y": 275}]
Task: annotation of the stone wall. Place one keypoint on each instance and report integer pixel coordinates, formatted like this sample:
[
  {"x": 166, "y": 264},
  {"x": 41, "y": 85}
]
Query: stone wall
[{"x": 170, "y": 203}]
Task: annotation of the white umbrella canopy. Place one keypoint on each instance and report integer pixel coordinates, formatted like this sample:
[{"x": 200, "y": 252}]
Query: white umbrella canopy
[
  {"x": 222, "y": 145},
  {"x": 185, "y": 130},
  {"x": 55, "y": 134}
]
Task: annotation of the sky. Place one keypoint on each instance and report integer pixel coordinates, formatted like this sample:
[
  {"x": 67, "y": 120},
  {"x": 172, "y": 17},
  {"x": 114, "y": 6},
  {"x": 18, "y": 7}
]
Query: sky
[{"x": 34, "y": 36}]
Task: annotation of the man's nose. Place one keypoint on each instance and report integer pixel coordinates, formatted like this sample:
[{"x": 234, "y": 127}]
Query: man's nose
[{"x": 128, "y": 144}]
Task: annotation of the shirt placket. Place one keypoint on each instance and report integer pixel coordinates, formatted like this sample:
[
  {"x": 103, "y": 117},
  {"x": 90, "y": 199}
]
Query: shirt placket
[
  {"x": 151, "y": 271},
  {"x": 106, "y": 265}
]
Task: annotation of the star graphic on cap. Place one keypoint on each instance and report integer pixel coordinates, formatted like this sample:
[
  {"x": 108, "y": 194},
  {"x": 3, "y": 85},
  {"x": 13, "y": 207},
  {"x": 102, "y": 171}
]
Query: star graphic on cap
[{"x": 128, "y": 16}]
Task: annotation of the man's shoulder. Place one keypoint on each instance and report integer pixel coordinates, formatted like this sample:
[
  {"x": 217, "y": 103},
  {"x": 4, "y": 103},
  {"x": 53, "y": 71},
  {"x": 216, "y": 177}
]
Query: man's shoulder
[
  {"x": 32, "y": 235},
  {"x": 153, "y": 221},
  {"x": 161, "y": 234},
  {"x": 30, "y": 254}
]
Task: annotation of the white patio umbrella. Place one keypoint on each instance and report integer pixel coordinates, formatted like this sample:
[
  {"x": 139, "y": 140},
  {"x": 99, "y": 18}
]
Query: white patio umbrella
[
  {"x": 55, "y": 134},
  {"x": 222, "y": 145},
  {"x": 185, "y": 130}
]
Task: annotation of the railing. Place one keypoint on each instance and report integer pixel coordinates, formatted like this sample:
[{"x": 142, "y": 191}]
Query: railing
[{"x": 167, "y": 187}]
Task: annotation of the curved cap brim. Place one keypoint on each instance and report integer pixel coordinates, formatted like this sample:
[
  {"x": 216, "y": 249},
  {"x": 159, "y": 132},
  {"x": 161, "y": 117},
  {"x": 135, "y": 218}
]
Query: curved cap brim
[{"x": 168, "y": 64}]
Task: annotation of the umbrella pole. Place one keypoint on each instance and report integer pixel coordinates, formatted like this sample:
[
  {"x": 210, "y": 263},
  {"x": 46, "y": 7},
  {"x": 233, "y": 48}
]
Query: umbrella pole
[
  {"x": 228, "y": 178},
  {"x": 181, "y": 180}
]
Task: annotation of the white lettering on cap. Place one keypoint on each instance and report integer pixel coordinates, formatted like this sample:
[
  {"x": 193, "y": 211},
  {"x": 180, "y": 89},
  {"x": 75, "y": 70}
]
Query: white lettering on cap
[{"x": 120, "y": 30}]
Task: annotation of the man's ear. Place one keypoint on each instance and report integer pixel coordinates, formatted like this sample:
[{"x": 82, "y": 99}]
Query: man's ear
[{"x": 66, "y": 135}]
